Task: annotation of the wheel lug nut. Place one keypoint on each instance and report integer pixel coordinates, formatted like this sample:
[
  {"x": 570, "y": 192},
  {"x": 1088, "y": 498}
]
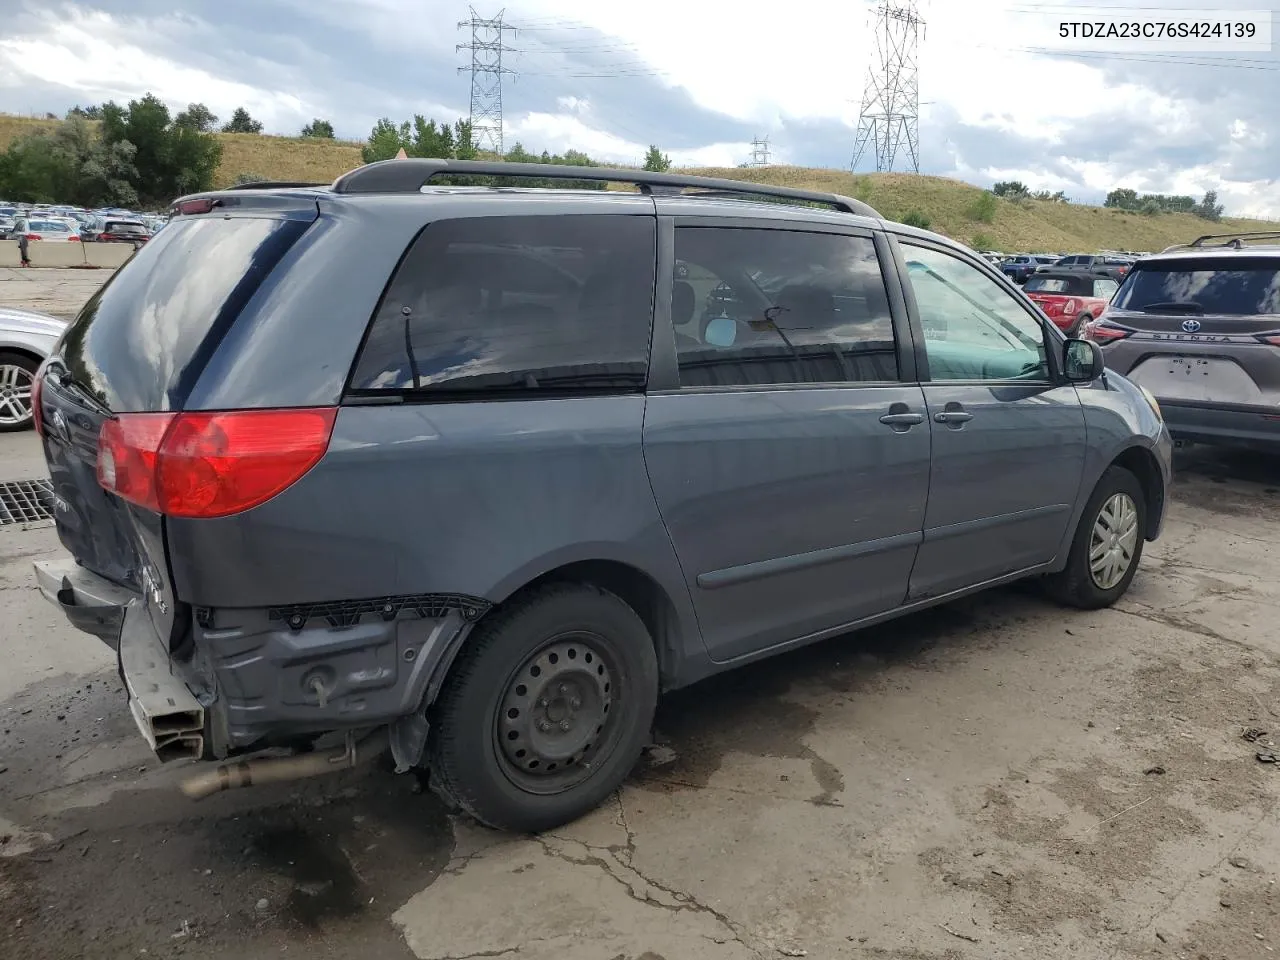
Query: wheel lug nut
[
  {"x": 544, "y": 726},
  {"x": 542, "y": 702},
  {"x": 563, "y": 689},
  {"x": 564, "y": 724},
  {"x": 575, "y": 703}
]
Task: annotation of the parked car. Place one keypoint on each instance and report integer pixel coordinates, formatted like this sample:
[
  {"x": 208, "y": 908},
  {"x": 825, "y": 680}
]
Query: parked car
[
  {"x": 1199, "y": 326},
  {"x": 1070, "y": 299},
  {"x": 26, "y": 338},
  {"x": 485, "y": 511},
  {"x": 1104, "y": 266},
  {"x": 6, "y": 226},
  {"x": 45, "y": 228},
  {"x": 116, "y": 230},
  {"x": 1023, "y": 265}
]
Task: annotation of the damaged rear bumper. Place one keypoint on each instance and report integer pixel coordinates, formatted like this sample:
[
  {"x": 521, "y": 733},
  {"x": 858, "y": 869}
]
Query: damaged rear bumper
[
  {"x": 167, "y": 713},
  {"x": 248, "y": 679}
]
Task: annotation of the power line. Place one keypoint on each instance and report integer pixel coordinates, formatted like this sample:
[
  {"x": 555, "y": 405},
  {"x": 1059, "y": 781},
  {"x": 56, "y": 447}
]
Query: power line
[
  {"x": 889, "y": 116},
  {"x": 486, "y": 69}
]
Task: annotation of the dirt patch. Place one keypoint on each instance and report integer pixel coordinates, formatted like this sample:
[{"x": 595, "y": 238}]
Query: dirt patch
[{"x": 325, "y": 864}]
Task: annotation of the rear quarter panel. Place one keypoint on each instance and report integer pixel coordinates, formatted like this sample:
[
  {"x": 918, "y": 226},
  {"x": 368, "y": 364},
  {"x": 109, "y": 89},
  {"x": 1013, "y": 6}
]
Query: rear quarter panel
[{"x": 469, "y": 498}]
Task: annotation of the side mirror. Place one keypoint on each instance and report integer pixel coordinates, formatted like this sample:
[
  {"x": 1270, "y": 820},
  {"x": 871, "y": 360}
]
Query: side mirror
[{"x": 1082, "y": 361}]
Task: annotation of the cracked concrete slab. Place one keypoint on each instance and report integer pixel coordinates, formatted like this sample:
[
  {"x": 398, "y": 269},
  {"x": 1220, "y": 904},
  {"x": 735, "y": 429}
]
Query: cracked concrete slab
[{"x": 557, "y": 898}]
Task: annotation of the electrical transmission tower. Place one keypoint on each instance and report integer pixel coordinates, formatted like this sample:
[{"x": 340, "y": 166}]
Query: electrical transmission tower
[
  {"x": 486, "y": 69},
  {"x": 760, "y": 152},
  {"x": 890, "y": 114}
]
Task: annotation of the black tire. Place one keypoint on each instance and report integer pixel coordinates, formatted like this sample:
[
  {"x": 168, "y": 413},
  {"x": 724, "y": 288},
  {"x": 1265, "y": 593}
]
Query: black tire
[
  {"x": 1079, "y": 325},
  {"x": 8, "y": 423},
  {"x": 1075, "y": 585},
  {"x": 476, "y": 771}
]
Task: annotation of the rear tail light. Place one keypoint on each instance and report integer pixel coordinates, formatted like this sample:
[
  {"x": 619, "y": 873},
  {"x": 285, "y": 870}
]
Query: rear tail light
[
  {"x": 1100, "y": 331},
  {"x": 1270, "y": 338},
  {"x": 1070, "y": 307},
  {"x": 206, "y": 465},
  {"x": 33, "y": 236}
]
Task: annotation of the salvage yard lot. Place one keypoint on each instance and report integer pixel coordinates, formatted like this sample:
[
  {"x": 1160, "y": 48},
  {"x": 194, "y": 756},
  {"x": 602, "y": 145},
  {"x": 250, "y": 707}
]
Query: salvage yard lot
[{"x": 995, "y": 778}]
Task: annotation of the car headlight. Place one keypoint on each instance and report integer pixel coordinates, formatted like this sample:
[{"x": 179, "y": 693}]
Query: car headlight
[{"x": 1155, "y": 405}]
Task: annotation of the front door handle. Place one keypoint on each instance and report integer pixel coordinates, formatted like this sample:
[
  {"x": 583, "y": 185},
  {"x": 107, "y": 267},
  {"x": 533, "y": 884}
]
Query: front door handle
[
  {"x": 952, "y": 416},
  {"x": 902, "y": 419}
]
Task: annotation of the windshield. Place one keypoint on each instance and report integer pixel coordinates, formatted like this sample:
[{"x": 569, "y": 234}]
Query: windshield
[{"x": 1241, "y": 286}]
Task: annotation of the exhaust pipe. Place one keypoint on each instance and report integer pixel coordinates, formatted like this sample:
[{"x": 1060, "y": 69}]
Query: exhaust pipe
[{"x": 247, "y": 773}]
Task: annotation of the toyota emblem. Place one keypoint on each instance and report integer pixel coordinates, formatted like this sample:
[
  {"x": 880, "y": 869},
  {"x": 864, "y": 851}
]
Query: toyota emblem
[{"x": 1190, "y": 326}]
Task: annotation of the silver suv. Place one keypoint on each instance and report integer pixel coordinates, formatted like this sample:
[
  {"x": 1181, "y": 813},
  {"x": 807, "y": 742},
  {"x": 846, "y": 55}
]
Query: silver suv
[
  {"x": 476, "y": 474},
  {"x": 1199, "y": 326}
]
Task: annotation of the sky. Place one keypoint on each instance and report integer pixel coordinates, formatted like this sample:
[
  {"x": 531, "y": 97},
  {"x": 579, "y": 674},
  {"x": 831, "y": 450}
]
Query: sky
[{"x": 1001, "y": 95}]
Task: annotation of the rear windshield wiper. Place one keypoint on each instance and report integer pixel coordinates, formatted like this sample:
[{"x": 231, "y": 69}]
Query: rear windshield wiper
[{"x": 1173, "y": 306}]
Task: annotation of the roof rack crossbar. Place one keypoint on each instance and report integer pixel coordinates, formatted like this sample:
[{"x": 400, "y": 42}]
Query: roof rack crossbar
[
  {"x": 273, "y": 185},
  {"x": 412, "y": 174},
  {"x": 1228, "y": 237}
]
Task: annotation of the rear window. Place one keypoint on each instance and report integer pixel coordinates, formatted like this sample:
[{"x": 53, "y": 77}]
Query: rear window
[
  {"x": 126, "y": 229},
  {"x": 1241, "y": 286},
  {"x": 1041, "y": 284},
  {"x": 49, "y": 226},
  {"x": 143, "y": 338},
  {"x": 516, "y": 306}
]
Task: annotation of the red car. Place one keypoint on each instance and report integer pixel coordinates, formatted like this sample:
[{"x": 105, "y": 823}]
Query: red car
[{"x": 1070, "y": 299}]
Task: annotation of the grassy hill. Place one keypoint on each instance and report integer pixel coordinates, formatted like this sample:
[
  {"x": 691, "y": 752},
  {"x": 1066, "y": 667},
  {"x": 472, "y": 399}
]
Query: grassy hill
[{"x": 949, "y": 205}]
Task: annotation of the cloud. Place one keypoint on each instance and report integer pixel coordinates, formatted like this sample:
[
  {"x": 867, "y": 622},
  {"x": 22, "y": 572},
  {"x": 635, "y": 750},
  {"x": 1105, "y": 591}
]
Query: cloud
[{"x": 1001, "y": 97}]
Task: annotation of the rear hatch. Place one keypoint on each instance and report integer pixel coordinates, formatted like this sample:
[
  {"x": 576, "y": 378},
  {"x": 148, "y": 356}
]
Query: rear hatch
[
  {"x": 1199, "y": 329},
  {"x": 138, "y": 346}
]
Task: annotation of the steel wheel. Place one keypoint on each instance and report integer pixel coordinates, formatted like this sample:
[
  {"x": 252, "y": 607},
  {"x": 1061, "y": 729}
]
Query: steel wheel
[
  {"x": 15, "y": 395},
  {"x": 1114, "y": 541},
  {"x": 553, "y": 721}
]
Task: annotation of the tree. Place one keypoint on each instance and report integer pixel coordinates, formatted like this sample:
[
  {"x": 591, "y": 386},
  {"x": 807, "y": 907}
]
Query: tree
[
  {"x": 1011, "y": 190},
  {"x": 321, "y": 129},
  {"x": 1122, "y": 198},
  {"x": 90, "y": 112},
  {"x": 464, "y": 147},
  {"x": 656, "y": 161},
  {"x": 430, "y": 139},
  {"x": 1209, "y": 208},
  {"x": 385, "y": 141},
  {"x": 197, "y": 117},
  {"x": 172, "y": 155},
  {"x": 241, "y": 122}
]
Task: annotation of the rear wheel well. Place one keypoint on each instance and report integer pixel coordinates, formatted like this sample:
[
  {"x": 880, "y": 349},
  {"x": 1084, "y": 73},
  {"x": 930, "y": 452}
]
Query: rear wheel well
[
  {"x": 1142, "y": 464},
  {"x": 637, "y": 590},
  {"x": 22, "y": 352}
]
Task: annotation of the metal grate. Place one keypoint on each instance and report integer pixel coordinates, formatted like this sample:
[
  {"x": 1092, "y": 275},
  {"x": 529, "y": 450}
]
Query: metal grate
[{"x": 25, "y": 501}]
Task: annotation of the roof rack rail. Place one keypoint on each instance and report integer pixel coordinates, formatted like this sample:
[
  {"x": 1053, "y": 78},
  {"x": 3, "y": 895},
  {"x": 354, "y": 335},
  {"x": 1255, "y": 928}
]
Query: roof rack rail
[
  {"x": 273, "y": 185},
  {"x": 1233, "y": 240},
  {"x": 412, "y": 174}
]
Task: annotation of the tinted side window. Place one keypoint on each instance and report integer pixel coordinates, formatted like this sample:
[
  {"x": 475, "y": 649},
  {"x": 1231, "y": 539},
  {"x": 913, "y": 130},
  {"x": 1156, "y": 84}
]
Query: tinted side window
[
  {"x": 521, "y": 306},
  {"x": 973, "y": 329},
  {"x": 755, "y": 307}
]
